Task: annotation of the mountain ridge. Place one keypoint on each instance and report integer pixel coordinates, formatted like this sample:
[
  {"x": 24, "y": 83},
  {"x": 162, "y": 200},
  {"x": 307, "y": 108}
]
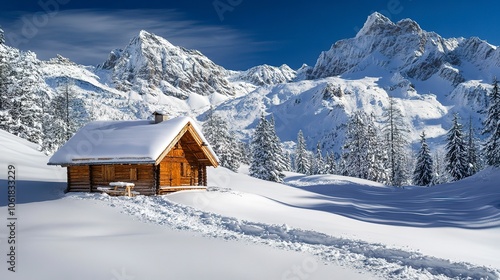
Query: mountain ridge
[{"x": 430, "y": 77}]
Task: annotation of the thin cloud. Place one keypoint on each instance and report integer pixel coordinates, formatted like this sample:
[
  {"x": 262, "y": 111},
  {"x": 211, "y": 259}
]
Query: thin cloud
[{"x": 87, "y": 36}]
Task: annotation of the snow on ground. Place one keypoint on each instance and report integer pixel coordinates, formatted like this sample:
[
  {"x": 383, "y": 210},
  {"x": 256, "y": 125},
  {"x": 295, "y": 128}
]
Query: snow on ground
[
  {"x": 62, "y": 237},
  {"x": 315, "y": 227}
]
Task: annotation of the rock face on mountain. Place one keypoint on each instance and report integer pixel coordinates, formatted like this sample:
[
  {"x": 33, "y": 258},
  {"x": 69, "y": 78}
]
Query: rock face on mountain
[
  {"x": 405, "y": 48},
  {"x": 150, "y": 64},
  {"x": 268, "y": 75}
]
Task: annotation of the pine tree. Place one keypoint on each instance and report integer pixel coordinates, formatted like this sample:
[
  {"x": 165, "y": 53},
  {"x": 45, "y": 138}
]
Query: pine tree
[
  {"x": 362, "y": 155},
  {"x": 423, "y": 173},
  {"x": 277, "y": 147},
  {"x": 301, "y": 159},
  {"x": 331, "y": 164},
  {"x": 440, "y": 174},
  {"x": 491, "y": 128},
  {"x": 375, "y": 155},
  {"x": 319, "y": 166},
  {"x": 353, "y": 148},
  {"x": 472, "y": 152},
  {"x": 456, "y": 151},
  {"x": 225, "y": 145},
  {"x": 396, "y": 139},
  {"x": 245, "y": 153},
  {"x": 267, "y": 155}
]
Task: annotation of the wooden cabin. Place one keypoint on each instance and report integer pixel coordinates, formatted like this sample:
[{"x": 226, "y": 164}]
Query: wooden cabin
[{"x": 157, "y": 156}]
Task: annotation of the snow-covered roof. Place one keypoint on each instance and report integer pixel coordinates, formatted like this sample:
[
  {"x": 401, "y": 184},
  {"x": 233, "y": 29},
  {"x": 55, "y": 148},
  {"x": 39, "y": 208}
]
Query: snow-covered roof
[{"x": 109, "y": 142}]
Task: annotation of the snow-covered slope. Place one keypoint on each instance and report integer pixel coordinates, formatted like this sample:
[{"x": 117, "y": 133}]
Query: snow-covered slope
[
  {"x": 66, "y": 231},
  {"x": 320, "y": 108},
  {"x": 245, "y": 228}
]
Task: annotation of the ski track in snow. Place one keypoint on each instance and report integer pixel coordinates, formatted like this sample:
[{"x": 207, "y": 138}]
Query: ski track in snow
[{"x": 383, "y": 261}]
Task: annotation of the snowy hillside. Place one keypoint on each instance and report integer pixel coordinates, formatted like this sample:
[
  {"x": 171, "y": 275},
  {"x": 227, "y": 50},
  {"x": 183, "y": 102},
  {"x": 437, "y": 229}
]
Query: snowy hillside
[
  {"x": 320, "y": 108},
  {"x": 245, "y": 228}
]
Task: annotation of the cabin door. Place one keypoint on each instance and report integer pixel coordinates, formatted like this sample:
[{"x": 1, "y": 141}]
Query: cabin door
[{"x": 170, "y": 173}]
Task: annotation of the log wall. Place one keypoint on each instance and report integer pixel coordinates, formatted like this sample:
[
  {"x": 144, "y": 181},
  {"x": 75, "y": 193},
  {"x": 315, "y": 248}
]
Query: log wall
[
  {"x": 143, "y": 176},
  {"x": 78, "y": 178},
  {"x": 89, "y": 178}
]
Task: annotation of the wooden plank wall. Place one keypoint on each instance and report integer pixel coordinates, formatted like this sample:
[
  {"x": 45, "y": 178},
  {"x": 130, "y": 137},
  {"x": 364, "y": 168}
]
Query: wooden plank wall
[
  {"x": 143, "y": 176},
  {"x": 78, "y": 178}
]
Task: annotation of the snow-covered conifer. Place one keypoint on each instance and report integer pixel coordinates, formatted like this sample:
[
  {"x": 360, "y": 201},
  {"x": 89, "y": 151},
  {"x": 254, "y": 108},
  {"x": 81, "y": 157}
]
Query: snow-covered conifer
[
  {"x": 353, "y": 148},
  {"x": 474, "y": 164},
  {"x": 301, "y": 159},
  {"x": 267, "y": 155},
  {"x": 318, "y": 164},
  {"x": 225, "y": 145},
  {"x": 395, "y": 134},
  {"x": 491, "y": 128},
  {"x": 331, "y": 164},
  {"x": 424, "y": 169},
  {"x": 456, "y": 151}
]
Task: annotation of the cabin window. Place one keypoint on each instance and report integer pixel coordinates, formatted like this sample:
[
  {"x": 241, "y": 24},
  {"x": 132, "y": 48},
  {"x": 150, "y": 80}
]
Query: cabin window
[
  {"x": 108, "y": 173},
  {"x": 133, "y": 174},
  {"x": 183, "y": 171}
]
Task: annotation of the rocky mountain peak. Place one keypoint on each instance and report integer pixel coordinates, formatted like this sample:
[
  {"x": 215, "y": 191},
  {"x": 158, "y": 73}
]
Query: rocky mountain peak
[
  {"x": 375, "y": 23},
  {"x": 378, "y": 24},
  {"x": 150, "y": 64}
]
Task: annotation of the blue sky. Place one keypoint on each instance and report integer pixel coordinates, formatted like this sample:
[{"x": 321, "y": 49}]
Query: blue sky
[{"x": 236, "y": 34}]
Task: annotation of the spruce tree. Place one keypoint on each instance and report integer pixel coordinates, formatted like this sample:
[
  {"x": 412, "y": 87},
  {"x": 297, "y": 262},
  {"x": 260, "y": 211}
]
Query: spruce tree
[
  {"x": 397, "y": 144},
  {"x": 319, "y": 166},
  {"x": 375, "y": 155},
  {"x": 282, "y": 161},
  {"x": 473, "y": 161},
  {"x": 423, "y": 173},
  {"x": 362, "y": 154},
  {"x": 491, "y": 128},
  {"x": 225, "y": 145},
  {"x": 456, "y": 151},
  {"x": 331, "y": 164},
  {"x": 353, "y": 148},
  {"x": 301, "y": 159},
  {"x": 267, "y": 155}
]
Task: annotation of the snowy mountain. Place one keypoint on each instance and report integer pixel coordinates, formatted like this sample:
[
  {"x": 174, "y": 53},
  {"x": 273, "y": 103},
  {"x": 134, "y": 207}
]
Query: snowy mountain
[
  {"x": 268, "y": 75},
  {"x": 428, "y": 76},
  {"x": 405, "y": 48},
  {"x": 151, "y": 65}
]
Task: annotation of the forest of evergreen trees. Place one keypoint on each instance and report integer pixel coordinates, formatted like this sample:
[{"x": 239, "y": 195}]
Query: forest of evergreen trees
[
  {"x": 35, "y": 113},
  {"x": 380, "y": 153}
]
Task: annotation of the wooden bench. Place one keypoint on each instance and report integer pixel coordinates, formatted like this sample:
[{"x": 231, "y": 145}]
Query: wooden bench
[{"x": 119, "y": 188}]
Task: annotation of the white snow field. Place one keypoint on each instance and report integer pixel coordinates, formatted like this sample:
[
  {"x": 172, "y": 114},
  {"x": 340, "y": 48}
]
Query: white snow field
[{"x": 314, "y": 227}]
